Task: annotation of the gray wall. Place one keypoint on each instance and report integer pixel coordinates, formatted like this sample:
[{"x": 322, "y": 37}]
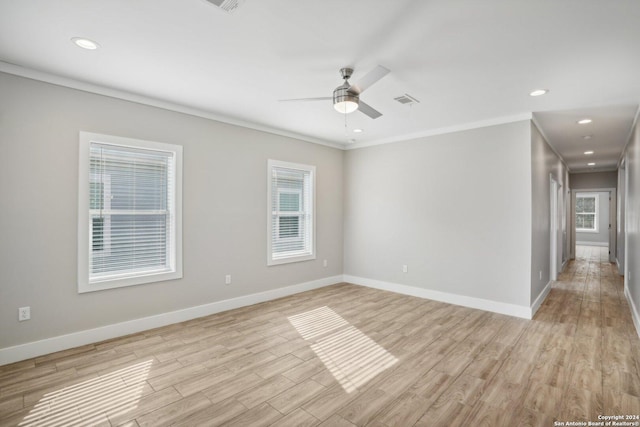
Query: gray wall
[
  {"x": 544, "y": 164},
  {"x": 592, "y": 180},
  {"x": 632, "y": 278},
  {"x": 468, "y": 212},
  {"x": 601, "y": 238},
  {"x": 224, "y": 209},
  {"x": 455, "y": 208}
]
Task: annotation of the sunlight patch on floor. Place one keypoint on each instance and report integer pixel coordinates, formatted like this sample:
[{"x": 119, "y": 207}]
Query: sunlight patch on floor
[
  {"x": 89, "y": 402},
  {"x": 319, "y": 321},
  {"x": 352, "y": 357}
]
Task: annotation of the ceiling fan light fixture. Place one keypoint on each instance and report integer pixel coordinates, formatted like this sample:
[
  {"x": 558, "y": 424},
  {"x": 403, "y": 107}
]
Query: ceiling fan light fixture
[
  {"x": 344, "y": 101},
  {"x": 346, "y": 107}
]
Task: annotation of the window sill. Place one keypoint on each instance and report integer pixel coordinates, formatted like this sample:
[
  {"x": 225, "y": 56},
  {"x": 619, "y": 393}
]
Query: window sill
[
  {"x": 101, "y": 285},
  {"x": 290, "y": 259}
]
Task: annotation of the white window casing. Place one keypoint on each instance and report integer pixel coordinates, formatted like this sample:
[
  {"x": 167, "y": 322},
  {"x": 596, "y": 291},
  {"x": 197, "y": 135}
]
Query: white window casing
[
  {"x": 587, "y": 212},
  {"x": 129, "y": 212},
  {"x": 291, "y": 218}
]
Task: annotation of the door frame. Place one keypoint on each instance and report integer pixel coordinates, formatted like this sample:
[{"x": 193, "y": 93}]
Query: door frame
[
  {"x": 553, "y": 228},
  {"x": 613, "y": 212},
  {"x": 621, "y": 228}
]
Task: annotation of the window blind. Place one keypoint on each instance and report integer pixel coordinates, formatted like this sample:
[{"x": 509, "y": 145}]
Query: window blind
[
  {"x": 291, "y": 212},
  {"x": 131, "y": 211},
  {"x": 587, "y": 212}
]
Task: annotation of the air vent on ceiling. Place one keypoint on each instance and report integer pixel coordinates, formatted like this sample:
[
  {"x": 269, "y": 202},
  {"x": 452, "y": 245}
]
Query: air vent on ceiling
[
  {"x": 406, "y": 99},
  {"x": 228, "y": 6}
]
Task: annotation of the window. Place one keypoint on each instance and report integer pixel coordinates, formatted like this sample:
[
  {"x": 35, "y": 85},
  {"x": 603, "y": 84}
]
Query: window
[
  {"x": 291, "y": 211},
  {"x": 129, "y": 212},
  {"x": 587, "y": 212}
]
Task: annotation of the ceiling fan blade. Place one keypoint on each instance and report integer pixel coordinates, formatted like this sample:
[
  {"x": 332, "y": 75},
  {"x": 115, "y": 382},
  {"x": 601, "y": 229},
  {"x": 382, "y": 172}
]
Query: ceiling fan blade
[
  {"x": 369, "y": 79},
  {"x": 324, "y": 98},
  {"x": 369, "y": 110}
]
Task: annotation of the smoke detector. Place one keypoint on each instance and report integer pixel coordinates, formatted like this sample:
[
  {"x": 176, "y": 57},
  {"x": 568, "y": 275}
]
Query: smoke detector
[{"x": 228, "y": 6}]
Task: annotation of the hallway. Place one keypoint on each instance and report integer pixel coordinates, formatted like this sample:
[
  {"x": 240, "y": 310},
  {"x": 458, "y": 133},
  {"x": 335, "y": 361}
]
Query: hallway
[{"x": 592, "y": 351}]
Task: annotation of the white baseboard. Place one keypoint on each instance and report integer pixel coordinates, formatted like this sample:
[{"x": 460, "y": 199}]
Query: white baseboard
[
  {"x": 634, "y": 311},
  {"x": 465, "y": 301},
  {"x": 538, "y": 302},
  {"x": 620, "y": 270},
  {"x": 89, "y": 336},
  {"x": 592, "y": 243}
]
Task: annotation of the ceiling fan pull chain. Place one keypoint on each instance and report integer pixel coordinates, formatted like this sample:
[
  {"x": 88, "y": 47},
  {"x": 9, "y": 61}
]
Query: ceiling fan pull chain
[{"x": 346, "y": 133}]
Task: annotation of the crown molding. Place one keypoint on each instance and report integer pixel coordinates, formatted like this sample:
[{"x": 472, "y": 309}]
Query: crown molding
[
  {"x": 33, "y": 74},
  {"x": 54, "y": 79},
  {"x": 444, "y": 130},
  {"x": 544, "y": 136}
]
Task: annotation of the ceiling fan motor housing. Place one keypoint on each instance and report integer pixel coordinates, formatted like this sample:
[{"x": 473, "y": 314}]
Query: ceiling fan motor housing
[
  {"x": 343, "y": 100},
  {"x": 342, "y": 94}
]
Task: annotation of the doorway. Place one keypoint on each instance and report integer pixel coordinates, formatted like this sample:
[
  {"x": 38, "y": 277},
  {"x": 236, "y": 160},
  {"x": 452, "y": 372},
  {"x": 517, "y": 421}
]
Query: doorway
[{"x": 594, "y": 219}]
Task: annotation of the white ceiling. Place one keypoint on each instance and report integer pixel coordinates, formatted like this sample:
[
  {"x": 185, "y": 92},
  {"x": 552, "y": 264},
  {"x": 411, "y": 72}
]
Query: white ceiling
[{"x": 467, "y": 61}]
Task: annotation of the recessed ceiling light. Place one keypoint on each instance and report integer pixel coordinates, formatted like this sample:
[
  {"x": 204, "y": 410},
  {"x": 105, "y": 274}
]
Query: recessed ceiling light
[
  {"x": 587, "y": 137},
  {"x": 85, "y": 43},
  {"x": 357, "y": 131},
  {"x": 584, "y": 121},
  {"x": 591, "y": 164},
  {"x": 588, "y": 153},
  {"x": 538, "y": 92}
]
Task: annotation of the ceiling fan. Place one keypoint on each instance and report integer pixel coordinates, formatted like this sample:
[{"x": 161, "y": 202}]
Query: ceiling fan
[{"x": 346, "y": 97}]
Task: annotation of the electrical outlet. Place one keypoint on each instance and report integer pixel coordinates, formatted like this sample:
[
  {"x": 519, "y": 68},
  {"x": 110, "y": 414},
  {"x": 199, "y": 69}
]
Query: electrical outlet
[
  {"x": 227, "y": 279},
  {"x": 24, "y": 313},
  {"x": 405, "y": 268},
  {"x": 540, "y": 274},
  {"x": 325, "y": 263}
]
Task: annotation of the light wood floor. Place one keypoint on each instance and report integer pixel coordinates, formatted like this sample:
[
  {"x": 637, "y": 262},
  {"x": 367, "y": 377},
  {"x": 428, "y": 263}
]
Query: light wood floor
[{"x": 348, "y": 355}]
